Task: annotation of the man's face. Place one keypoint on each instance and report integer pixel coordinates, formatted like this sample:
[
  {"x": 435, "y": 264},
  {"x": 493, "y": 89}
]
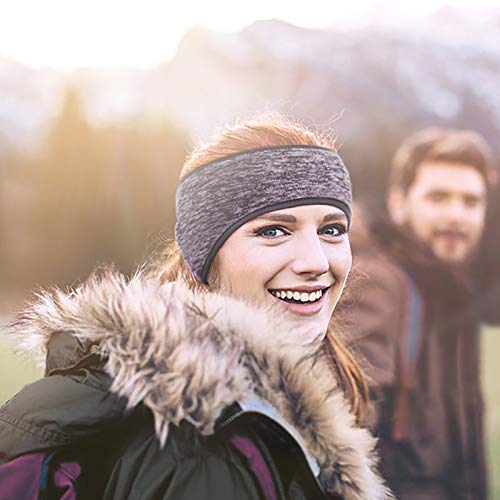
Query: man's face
[{"x": 445, "y": 208}]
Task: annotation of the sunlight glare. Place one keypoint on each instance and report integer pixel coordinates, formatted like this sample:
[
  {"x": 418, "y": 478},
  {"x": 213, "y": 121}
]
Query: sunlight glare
[{"x": 69, "y": 33}]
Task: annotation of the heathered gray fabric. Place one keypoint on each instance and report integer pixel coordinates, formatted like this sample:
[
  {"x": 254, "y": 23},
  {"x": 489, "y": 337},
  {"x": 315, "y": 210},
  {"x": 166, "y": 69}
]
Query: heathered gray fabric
[{"x": 217, "y": 198}]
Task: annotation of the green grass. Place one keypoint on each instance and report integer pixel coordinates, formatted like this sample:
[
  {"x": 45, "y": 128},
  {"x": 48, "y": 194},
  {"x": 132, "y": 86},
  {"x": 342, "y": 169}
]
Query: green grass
[
  {"x": 491, "y": 390},
  {"x": 16, "y": 371}
]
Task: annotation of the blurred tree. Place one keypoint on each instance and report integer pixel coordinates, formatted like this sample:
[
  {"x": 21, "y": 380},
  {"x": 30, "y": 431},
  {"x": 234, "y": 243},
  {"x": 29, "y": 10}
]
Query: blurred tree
[
  {"x": 99, "y": 194},
  {"x": 369, "y": 159},
  {"x": 67, "y": 195},
  {"x": 144, "y": 164},
  {"x": 14, "y": 195}
]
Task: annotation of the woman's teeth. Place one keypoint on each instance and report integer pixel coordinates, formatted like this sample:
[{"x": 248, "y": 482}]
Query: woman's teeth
[{"x": 302, "y": 297}]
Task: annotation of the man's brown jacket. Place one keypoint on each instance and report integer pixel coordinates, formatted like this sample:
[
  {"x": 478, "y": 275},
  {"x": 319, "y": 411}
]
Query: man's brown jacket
[{"x": 416, "y": 331}]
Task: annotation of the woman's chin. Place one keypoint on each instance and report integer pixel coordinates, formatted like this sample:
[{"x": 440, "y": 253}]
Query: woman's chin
[{"x": 309, "y": 326}]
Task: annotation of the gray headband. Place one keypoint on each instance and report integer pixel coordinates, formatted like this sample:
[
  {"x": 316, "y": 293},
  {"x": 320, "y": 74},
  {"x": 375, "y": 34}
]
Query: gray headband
[{"x": 217, "y": 198}]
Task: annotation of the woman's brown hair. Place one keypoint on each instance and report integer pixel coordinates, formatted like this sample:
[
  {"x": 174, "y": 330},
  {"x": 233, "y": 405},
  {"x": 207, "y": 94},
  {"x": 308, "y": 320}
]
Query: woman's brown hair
[{"x": 267, "y": 131}]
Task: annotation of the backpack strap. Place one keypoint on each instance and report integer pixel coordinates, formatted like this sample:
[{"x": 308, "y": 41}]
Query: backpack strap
[
  {"x": 43, "y": 488},
  {"x": 257, "y": 464},
  {"x": 39, "y": 476},
  {"x": 408, "y": 355}
]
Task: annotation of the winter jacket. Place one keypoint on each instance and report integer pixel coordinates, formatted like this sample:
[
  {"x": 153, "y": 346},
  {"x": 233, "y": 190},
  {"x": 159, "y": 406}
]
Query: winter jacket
[
  {"x": 416, "y": 333},
  {"x": 153, "y": 392}
]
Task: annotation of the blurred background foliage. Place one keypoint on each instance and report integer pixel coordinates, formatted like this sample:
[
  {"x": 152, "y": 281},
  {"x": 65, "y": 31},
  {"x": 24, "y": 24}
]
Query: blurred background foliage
[{"x": 88, "y": 195}]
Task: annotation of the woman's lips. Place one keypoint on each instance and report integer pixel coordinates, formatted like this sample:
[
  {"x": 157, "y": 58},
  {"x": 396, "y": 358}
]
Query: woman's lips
[{"x": 306, "y": 308}]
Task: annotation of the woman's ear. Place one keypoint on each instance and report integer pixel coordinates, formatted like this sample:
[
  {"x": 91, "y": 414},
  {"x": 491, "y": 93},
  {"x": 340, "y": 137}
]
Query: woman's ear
[{"x": 396, "y": 205}]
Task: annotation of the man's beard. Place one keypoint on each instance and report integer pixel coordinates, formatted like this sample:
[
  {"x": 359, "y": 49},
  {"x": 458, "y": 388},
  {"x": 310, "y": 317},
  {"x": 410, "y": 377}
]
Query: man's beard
[{"x": 469, "y": 253}]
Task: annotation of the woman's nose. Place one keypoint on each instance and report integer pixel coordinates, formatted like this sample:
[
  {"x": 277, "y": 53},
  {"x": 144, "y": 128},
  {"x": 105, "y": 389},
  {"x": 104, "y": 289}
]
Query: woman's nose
[{"x": 309, "y": 256}]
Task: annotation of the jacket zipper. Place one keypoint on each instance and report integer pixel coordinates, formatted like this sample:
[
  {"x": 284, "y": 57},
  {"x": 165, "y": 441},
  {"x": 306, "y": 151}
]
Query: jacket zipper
[{"x": 231, "y": 418}]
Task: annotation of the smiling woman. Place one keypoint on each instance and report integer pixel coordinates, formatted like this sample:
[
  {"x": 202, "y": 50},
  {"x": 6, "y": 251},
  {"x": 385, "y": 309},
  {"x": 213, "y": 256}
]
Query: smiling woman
[{"x": 217, "y": 374}]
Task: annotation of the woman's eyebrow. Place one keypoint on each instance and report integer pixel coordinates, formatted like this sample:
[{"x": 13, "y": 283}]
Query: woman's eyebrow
[
  {"x": 335, "y": 217},
  {"x": 290, "y": 218},
  {"x": 277, "y": 218}
]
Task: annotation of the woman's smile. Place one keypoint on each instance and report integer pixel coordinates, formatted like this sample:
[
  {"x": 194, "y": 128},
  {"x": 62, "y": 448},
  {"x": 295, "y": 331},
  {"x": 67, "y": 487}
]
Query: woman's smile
[{"x": 303, "y": 300}]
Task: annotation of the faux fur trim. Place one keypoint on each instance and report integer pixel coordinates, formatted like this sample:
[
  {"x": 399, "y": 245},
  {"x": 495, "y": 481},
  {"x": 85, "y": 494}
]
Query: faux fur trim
[{"x": 188, "y": 356}]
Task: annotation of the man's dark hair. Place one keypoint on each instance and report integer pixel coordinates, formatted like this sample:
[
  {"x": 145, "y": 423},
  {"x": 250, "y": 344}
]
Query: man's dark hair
[{"x": 440, "y": 145}]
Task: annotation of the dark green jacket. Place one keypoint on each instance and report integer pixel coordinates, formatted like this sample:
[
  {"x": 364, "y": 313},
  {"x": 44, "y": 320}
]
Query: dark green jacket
[{"x": 157, "y": 393}]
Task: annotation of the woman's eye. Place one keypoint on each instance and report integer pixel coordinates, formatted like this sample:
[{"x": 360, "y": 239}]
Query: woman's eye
[
  {"x": 334, "y": 230},
  {"x": 270, "y": 232}
]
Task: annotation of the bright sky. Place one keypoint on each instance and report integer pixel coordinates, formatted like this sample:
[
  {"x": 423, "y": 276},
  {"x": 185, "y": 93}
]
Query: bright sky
[{"x": 140, "y": 33}]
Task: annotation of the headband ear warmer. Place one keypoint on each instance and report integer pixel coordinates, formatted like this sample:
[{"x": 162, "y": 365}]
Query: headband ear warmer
[{"x": 217, "y": 198}]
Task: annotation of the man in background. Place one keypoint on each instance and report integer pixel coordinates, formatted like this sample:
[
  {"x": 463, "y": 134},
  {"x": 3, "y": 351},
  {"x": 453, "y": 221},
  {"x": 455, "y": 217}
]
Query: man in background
[{"x": 416, "y": 317}]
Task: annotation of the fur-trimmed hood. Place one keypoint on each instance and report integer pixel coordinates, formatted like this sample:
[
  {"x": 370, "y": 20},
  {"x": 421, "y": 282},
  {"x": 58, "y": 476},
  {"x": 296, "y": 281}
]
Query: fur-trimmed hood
[{"x": 188, "y": 356}]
